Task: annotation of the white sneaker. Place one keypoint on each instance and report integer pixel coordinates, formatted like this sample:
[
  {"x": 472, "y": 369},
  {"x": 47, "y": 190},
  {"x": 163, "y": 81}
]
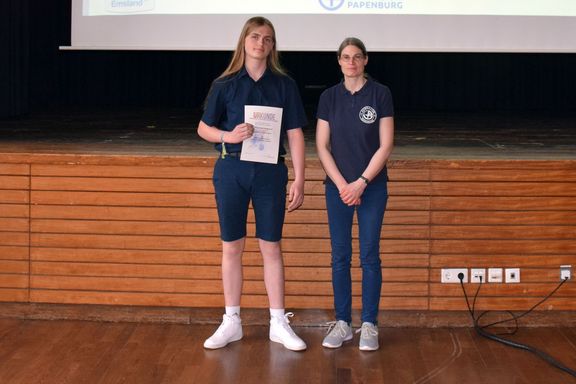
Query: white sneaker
[
  {"x": 281, "y": 332},
  {"x": 230, "y": 330},
  {"x": 338, "y": 332},
  {"x": 368, "y": 337}
]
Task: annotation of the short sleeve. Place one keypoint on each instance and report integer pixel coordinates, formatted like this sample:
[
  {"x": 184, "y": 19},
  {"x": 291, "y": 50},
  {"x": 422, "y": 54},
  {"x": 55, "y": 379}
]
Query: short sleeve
[
  {"x": 215, "y": 105},
  {"x": 294, "y": 115},
  {"x": 386, "y": 102},
  {"x": 323, "y": 111}
]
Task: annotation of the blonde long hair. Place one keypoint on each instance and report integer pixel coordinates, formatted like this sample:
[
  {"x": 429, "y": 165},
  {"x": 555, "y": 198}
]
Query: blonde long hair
[{"x": 237, "y": 62}]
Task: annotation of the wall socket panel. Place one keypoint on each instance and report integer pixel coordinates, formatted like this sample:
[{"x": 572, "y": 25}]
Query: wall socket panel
[
  {"x": 512, "y": 275},
  {"x": 565, "y": 272},
  {"x": 450, "y": 275},
  {"x": 476, "y": 274},
  {"x": 495, "y": 275}
]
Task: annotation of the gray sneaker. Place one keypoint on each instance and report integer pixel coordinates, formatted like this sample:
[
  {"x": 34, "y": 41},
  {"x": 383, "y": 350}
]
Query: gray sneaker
[
  {"x": 338, "y": 332},
  {"x": 368, "y": 337}
]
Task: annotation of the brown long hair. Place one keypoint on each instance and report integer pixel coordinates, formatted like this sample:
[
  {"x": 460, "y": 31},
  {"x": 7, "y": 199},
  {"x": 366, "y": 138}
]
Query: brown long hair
[{"x": 237, "y": 62}]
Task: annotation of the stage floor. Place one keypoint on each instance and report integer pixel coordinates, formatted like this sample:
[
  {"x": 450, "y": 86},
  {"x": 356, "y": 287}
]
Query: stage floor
[{"x": 456, "y": 136}]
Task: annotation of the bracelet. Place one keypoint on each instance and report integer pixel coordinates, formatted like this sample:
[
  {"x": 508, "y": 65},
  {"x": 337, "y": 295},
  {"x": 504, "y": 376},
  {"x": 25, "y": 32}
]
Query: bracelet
[
  {"x": 223, "y": 151},
  {"x": 365, "y": 179}
]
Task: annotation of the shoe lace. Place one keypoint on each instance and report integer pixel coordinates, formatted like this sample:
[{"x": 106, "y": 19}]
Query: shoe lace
[
  {"x": 285, "y": 322},
  {"x": 368, "y": 330},
  {"x": 336, "y": 327},
  {"x": 226, "y": 321}
]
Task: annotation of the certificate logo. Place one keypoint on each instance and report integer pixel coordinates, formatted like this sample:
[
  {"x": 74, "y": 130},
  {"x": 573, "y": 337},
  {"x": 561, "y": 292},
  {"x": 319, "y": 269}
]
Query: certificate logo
[
  {"x": 368, "y": 115},
  {"x": 331, "y": 5}
]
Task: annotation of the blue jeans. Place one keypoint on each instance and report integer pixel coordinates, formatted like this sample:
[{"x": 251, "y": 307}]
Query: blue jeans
[{"x": 370, "y": 216}]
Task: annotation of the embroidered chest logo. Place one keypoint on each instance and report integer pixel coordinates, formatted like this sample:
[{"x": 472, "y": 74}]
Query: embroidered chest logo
[{"x": 367, "y": 115}]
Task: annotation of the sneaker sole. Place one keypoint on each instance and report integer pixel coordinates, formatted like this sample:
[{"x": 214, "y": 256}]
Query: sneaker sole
[
  {"x": 300, "y": 348},
  {"x": 328, "y": 345},
  {"x": 218, "y": 346},
  {"x": 369, "y": 348}
]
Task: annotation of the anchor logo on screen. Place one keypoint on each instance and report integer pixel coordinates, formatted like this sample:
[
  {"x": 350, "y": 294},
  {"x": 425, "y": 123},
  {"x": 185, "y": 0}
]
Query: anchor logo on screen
[{"x": 331, "y": 5}]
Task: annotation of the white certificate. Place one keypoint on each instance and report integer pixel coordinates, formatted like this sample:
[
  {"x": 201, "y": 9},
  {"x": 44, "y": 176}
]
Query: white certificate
[{"x": 264, "y": 144}]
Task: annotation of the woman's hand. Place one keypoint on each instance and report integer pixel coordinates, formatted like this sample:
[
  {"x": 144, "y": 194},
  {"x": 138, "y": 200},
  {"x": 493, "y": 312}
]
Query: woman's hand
[{"x": 351, "y": 193}]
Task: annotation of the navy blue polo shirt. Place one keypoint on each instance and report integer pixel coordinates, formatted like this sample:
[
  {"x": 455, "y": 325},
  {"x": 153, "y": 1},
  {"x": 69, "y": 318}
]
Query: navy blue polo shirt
[
  {"x": 228, "y": 96},
  {"x": 354, "y": 125}
]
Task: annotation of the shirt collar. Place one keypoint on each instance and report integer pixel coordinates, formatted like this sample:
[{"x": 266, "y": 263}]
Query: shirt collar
[
  {"x": 343, "y": 91},
  {"x": 244, "y": 73}
]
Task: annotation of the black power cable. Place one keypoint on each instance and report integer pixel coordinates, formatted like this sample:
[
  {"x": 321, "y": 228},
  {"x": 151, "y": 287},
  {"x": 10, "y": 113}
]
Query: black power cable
[{"x": 481, "y": 329}]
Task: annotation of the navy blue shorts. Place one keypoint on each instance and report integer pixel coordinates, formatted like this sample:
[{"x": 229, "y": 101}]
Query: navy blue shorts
[{"x": 236, "y": 183}]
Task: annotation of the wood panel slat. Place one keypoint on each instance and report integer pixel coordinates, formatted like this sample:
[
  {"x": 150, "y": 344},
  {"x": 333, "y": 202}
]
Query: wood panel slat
[
  {"x": 542, "y": 218},
  {"x": 527, "y": 232},
  {"x": 207, "y": 257},
  {"x": 540, "y": 246},
  {"x": 201, "y": 272},
  {"x": 111, "y": 284},
  {"x": 202, "y": 243},
  {"x": 208, "y": 300},
  {"x": 97, "y": 184},
  {"x": 14, "y": 182},
  {"x": 526, "y": 289},
  {"x": 504, "y": 175},
  {"x": 122, "y": 171},
  {"x": 14, "y": 169},
  {"x": 186, "y": 200},
  {"x": 14, "y": 225},
  {"x": 195, "y": 214},
  {"x": 14, "y": 252},
  {"x": 13, "y": 281},
  {"x": 14, "y": 295},
  {"x": 202, "y": 229},
  {"x": 512, "y": 260},
  {"x": 485, "y": 188},
  {"x": 14, "y": 267},
  {"x": 502, "y": 203},
  {"x": 14, "y": 210},
  {"x": 14, "y": 196},
  {"x": 16, "y": 239}
]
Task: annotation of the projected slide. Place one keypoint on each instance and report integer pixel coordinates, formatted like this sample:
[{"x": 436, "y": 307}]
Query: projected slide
[
  {"x": 377, "y": 7},
  {"x": 319, "y": 25}
]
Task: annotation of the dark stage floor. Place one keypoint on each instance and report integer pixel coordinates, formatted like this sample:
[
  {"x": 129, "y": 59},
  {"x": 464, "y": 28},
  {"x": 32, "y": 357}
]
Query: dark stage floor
[{"x": 173, "y": 132}]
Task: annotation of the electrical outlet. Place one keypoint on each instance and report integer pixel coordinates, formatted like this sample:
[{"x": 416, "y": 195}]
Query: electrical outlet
[
  {"x": 450, "y": 275},
  {"x": 512, "y": 275},
  {"x": 495, "y": 275},
  {"x": 565, "y": 272},
  {"x": 476, "y": 274}
]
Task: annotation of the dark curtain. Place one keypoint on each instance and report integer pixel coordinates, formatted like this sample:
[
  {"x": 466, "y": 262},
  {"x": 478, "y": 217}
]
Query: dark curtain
[
  {"x": 14, "y": 59},
  {"x": 37, "y": 76}
]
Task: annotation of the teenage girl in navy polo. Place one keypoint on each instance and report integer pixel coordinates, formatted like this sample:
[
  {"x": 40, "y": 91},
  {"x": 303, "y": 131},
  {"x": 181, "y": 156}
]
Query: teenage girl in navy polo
[
  {"x": 354, "y": 138},
  {"x": 253, "y": 77}
]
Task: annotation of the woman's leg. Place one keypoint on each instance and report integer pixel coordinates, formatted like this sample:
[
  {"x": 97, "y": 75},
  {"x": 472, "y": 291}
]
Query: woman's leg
[
  {"x": 340, "y": 222},
  {"x": 370, "y": 217}
]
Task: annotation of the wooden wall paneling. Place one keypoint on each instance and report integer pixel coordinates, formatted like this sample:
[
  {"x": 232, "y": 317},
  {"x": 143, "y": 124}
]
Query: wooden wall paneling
[
  {"x": 95, "y": 222},
  {"x": 506, "y": 214},
  {"x": 143, "y": 231},
  {"x": 14, "y": 232}
]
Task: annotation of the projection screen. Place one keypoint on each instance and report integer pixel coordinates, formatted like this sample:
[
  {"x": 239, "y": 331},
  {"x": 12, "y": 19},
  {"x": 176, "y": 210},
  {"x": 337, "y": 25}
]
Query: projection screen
[{"x": 319, "y": 25}]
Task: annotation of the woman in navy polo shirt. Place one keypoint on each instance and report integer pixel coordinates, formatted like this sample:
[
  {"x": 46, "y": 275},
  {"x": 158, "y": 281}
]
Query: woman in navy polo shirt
[
  {"x": 354, "y": 138},
  {"x": 253, "y": 77}
]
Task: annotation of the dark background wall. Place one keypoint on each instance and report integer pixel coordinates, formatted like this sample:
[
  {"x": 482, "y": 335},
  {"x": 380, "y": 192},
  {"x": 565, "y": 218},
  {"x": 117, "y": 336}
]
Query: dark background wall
[{"x": 36, "y": 76}]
